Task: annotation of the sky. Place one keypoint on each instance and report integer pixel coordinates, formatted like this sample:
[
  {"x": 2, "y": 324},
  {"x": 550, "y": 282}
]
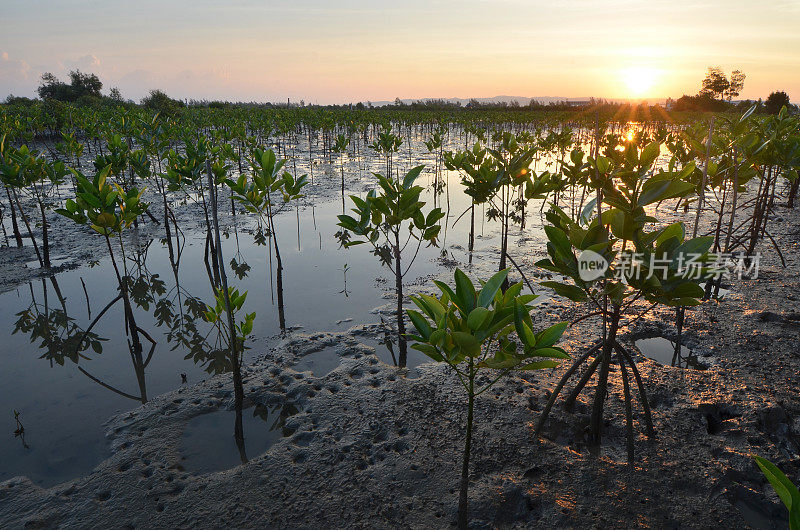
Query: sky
[{"x": 340, "y": 51}]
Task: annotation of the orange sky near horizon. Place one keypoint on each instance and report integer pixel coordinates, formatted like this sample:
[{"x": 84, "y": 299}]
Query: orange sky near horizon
[{"x": 354, "y": 50}]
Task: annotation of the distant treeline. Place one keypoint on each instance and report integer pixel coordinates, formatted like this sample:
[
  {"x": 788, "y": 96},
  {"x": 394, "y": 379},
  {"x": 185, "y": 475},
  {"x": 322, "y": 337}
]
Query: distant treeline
[{"x": 84, "y": 90}]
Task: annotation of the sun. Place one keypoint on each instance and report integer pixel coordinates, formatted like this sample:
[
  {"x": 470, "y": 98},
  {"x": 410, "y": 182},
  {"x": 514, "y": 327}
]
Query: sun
[{"x": 639, "y": 80}]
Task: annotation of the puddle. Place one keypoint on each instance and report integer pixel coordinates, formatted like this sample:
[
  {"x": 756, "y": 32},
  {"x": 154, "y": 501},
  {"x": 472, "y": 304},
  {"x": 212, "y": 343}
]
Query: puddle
[
  {"x": 319, "y": 363},
  {"x": 208, "y": 444},
  {"x": 723, "y": 291},
  {"x": 326, "y": 288},
  {"x": 662, "y": 351},
  {"x": 414, "y": 358}
]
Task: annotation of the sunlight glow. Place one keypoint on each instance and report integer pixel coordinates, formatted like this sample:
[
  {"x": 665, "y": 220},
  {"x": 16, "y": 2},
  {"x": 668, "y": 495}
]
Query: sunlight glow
[{"x": 639, "y": 80}]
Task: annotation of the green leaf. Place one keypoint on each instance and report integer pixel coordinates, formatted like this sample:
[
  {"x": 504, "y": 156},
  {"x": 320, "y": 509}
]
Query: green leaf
[
  {"x": 556, "y": 353},
  {"x": 538, "y": 365},
  {"x": 478, "y": 318},
  {"x": 649, "y": 154},
  {"x": 468, "y": 343},
  {"x": 698, "y": 245},
  {"x": 586, "y": 214},
  {"x": 411, "y": 176},
  {"x": 550, "y": 336},
  {"x": 491, "y": 287},
  {"x": 573, "y": 292},
  {"x": 559, "y": 239},
  {"x": 673, "y": 230},
  {"x": 428, "y": 350},
  {"x": 524, "y": 332},
  {"x": 420, "y": 323},
  {"x": 453, "y": 297},
  {"x": 655, "y": 190},
  {"x": 787, "y": 491}
]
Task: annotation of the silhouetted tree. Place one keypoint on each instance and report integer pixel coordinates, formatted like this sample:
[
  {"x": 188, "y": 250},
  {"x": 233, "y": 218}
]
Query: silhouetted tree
[
  {"x": 735, "y": 85},
  {"x": 162, "y": 103},
  {"x": 776, "y": 101},
  {"x": 715, "y": 83},
  {"x": 80, "y": 85},
  {"x": 85, "y": 84}
]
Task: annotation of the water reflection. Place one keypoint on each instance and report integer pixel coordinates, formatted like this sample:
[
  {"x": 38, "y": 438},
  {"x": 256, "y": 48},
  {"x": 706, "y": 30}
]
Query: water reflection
[
  {"x": 57, "y": 335},
  {"x": 207, "y": 445},
  {"x": 664, "y": 351},
  {"x": 169, "y": 279}
]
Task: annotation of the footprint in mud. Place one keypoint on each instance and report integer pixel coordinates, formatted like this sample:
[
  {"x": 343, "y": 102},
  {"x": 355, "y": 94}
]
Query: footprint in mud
[
  {"x": 303, "y": 439},
  {"x": 103, "y": 495},
  {"x": 718, "y": 416}
]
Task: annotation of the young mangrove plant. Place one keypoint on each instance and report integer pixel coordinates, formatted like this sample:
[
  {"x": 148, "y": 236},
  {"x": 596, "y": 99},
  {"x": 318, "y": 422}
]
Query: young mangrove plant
[
  {"x": 256, "y": 195},
  {"x": 475, "y": 330},
  {"x": 22, "y": 170},
  {"x": 226, "y": 354},
  {"x": 109, "y": 211},
  {"x": 184, "y": 173},
  {"x": 386, "y": 144},
  {"x": 228, "y": 299},
  {"x": 382, "y": 220},
  {"x": 659, "y": 266},
  {"x": 478, "y": 173},
  {"x": 340, "y": 147}
]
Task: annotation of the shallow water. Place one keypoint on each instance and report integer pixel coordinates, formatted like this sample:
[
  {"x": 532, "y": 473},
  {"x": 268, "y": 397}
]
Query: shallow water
[
  {"x": 662, "y": 351},
  {"x": 205, "y": 447},
  {"x": 63, "y": 409}
]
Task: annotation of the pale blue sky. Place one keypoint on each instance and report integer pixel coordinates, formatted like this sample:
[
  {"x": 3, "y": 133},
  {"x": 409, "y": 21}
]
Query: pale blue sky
[{"x": 358, "y": 50}]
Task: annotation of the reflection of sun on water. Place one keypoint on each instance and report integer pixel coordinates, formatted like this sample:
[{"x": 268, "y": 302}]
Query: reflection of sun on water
[{"x": 639, "y": 80}]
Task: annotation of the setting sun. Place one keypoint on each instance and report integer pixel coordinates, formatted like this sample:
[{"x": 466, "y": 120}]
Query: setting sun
[{"x": 638, "y": 81}]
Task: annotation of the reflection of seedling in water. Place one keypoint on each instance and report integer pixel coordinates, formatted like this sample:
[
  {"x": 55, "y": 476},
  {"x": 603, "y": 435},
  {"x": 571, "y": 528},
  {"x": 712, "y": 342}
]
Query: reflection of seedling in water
[
  {"x": 240, "y": 269},
  {"x": 471, "y": 330},
  {"x": 109, "y": 211},
  {"x": 60, "y": 338},
  {"x": 344, "y": 272},
  {"x": 387, "y": 339},
  {"x": 19, "y": 432},
  {"x": 287, "y": 410}
]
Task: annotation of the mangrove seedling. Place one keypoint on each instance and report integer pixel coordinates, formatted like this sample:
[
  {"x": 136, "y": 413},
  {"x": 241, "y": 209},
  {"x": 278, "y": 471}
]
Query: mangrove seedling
[
  {"x": 659, "y": 266},
  {"x": 381, "y": 220},
  {"x": 386, "y": 144},
  {"x": 109, "y": 211},
  {"x": 256, "y": 195},
  {"x": 474, "y": 329},
  {"x": 340, "y": 147}
]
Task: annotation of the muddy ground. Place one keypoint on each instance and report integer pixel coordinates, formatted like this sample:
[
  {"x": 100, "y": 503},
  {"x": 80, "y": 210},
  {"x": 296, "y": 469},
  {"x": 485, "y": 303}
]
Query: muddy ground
[{"x": 371, "y": 447}]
